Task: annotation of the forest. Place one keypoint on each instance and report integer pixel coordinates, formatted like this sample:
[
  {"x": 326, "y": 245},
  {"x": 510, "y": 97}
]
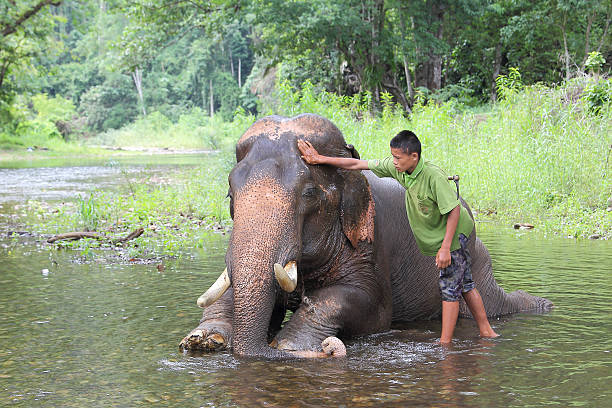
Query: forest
[{"x": 73, "y": 69}]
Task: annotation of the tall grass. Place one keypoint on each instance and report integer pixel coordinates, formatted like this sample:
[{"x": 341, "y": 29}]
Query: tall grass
[
  {"x": 194, "y": 130},
  {"x": 539, "y": 156}
]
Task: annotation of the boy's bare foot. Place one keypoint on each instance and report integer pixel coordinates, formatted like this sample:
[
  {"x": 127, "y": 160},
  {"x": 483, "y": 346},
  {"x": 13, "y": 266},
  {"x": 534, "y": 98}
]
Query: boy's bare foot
[{"x": 489, "y": 334}]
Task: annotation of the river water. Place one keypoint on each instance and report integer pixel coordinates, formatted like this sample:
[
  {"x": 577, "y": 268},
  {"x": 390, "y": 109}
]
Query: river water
[{"x": 106, "y": 333}]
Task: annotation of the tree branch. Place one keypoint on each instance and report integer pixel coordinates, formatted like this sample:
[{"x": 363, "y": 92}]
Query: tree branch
[
  {"x": 11, "y": 28},
  {"x": 605, "y": 33},
  {"x": 587, "y": 39},
  {"x": 72, "y": 236}
]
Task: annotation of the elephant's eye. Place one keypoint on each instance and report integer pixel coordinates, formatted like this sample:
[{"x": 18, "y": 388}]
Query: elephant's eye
[{"x": 310, "y": 192}]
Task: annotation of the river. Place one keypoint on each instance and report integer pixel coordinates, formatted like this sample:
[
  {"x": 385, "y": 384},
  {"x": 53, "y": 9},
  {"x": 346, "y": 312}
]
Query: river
[{"x": 106, "y": 333}]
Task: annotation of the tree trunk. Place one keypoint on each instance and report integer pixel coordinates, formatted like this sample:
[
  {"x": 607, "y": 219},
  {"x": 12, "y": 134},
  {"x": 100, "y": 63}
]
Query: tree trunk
[
  {"x": 430, "y": 74},
  {"x": 408, "y": 83},
  {"x": 137, "y": 77},
  {"x": 437, "y": 72},
  {"x": 212, "y": 106},
  {"x": 587, "y": 39},
  {"x": 102, "y": 8},
  {"x": 496, "y": 68},
  {"x": 409, "y": 87},
  {"x": 566, "y": 52},
  {"x": 605, "y": 33},
  {"x": 437, "y": 59},
  {"x": 239, "y": 73},
  {"x": 231, "y": 61}
]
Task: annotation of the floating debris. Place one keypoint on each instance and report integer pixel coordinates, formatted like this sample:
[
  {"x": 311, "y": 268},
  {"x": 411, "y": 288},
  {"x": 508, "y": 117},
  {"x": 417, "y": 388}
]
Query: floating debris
[{"x": 523, "y": 226}]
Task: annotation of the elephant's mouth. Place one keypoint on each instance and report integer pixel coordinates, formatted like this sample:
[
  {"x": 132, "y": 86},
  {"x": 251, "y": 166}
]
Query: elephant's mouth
[{"x": 286, "y": 277}]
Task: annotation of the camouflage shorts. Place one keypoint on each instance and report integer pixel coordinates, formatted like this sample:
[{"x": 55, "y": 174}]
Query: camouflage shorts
[{"x": 457, "y": 277}]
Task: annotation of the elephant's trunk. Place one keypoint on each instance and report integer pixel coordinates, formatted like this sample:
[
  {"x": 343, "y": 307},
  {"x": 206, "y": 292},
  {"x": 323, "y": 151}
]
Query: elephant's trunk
[
  {"x": 254, "y": 294},
  {"x": 264, "y": 234}
]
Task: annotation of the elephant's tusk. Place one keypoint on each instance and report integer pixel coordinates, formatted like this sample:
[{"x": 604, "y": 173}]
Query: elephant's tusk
[
  {"x": 287, "y": 276},
  {"x": 215, "y": 291}
]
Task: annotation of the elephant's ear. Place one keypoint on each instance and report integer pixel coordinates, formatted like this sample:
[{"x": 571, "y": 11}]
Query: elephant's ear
[
  {"x": 357, "y": 208},
  {"x": 353, "y": 151}
]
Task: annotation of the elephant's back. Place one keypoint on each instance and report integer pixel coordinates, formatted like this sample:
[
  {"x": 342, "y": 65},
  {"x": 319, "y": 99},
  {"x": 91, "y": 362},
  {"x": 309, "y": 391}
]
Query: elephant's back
[{"x": 414, "y": 276}]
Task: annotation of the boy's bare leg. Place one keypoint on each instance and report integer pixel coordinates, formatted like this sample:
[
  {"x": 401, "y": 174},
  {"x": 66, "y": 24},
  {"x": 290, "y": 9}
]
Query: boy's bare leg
[
  {"x": 474, "y": 302},
  {"x": 450, "y": 312}
]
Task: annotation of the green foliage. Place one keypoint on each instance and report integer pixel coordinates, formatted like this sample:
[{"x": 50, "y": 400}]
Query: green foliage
[
  {"x": 598, "y": 95},
  {"x": 110, "y": 105},
  {"x": 509, "y": 85},
  {"x": 595, "y": 61},
  {"x": 88, "y": 213},
  {"x": 25, "y": 35},
  {"x": 53, "y": 109},
  {"x": 193, "y": 130}
]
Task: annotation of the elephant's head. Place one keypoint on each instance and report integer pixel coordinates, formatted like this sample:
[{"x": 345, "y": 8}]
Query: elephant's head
[{"x": 289, "y": 218}]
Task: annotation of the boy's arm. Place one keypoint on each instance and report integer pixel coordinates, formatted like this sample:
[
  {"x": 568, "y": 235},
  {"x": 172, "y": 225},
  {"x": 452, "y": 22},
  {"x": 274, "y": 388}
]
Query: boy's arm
[
  {"x": 443, "y": 258},
  {"x": 311, "y": 156}
]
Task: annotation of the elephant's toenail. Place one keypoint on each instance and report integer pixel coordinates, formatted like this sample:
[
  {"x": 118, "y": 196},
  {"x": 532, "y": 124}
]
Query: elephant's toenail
[{"x": 216, "y": 338}]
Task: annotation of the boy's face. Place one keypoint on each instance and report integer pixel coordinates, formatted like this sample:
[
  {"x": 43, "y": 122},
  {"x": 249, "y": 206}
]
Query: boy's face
[{"x": 404, "y": 161}]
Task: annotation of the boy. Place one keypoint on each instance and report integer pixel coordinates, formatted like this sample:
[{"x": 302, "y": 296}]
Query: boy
[{"x": 440, "y": 224}]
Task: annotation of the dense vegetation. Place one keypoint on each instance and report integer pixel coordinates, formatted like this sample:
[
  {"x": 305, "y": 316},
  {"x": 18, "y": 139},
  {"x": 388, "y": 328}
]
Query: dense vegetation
[{"x": 103, "y": 64}]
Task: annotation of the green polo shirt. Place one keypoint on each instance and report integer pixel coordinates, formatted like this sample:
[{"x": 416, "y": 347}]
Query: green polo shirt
[{"x": 429, "y": 198}]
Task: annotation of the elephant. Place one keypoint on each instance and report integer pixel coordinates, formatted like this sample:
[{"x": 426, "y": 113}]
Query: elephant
[{"x": 332, "y": 246}]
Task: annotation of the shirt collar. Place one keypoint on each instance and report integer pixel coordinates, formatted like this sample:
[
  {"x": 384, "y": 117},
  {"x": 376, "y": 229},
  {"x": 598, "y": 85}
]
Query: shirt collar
[{"x": 417, "y": 169}]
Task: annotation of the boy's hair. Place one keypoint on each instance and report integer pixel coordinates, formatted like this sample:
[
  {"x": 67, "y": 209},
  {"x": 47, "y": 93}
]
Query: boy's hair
[{"x": 407, "y": 141}]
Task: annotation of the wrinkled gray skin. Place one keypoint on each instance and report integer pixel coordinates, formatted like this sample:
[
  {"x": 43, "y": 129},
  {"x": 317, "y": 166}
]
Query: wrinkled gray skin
[{"x": 359, "y": 269}]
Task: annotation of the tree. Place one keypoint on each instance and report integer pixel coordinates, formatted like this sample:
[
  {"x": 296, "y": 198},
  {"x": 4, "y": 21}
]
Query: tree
[{"x": 24, "y": 30}]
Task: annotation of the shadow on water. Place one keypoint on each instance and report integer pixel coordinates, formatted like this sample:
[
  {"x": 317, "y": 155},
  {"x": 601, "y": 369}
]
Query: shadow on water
[{"x": 101, "y": 333}]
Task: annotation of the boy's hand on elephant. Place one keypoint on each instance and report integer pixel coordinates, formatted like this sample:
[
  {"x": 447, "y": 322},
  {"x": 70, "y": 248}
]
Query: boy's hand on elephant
[{"x": 309, "y": 153}]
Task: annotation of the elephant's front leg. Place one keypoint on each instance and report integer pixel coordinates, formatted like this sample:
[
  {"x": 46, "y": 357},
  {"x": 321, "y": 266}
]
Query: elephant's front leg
[
  {"x": 215, "y": 329},
  {"x": 341, "y": 310}
]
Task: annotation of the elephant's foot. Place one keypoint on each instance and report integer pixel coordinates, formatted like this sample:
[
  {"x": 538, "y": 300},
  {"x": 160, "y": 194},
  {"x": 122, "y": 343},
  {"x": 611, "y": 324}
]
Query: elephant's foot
[{"x": 206, "y": 338}]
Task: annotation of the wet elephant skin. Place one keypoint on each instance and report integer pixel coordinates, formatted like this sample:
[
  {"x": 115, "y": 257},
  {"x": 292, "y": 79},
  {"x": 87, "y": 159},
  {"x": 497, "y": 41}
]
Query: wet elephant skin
[{"x": 359, "y": 270}]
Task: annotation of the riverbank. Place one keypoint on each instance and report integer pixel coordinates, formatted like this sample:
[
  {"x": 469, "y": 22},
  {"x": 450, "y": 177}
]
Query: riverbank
[{"x": 539, "y": 157}]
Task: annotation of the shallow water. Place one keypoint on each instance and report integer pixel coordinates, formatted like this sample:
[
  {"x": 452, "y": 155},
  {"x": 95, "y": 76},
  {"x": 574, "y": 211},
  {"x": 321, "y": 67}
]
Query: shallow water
[
  {"x": 62, "y": 178},
  {"x": 106, "y": 334}
]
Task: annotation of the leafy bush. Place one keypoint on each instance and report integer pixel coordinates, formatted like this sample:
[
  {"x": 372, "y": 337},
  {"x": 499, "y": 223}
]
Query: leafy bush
[
  {"x": 509, "y": 85},
  {"x": 594, "y": 61},
  {"x": 597, "y": 95},
  {"x": 111, "y": 105},
  {"x": 53, "y": 109}
]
